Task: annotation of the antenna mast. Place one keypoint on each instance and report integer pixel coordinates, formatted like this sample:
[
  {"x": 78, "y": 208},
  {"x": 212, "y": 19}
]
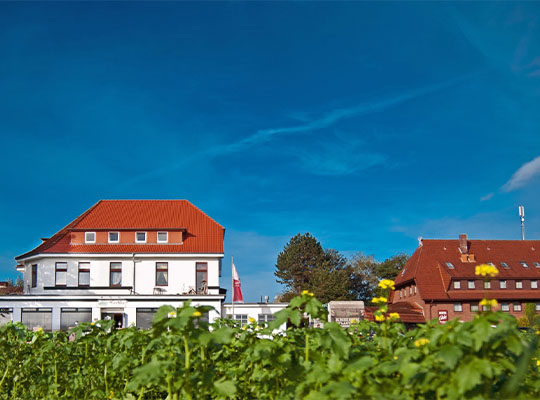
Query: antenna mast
[{"x": 522, "y": 216}]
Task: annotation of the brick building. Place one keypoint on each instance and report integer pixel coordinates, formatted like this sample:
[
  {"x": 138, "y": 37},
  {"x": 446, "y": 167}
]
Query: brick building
[{"x": 440, "y": 279}]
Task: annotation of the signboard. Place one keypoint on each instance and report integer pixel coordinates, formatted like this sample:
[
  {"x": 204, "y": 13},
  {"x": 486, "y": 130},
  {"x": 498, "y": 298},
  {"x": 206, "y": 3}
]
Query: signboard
[
  {"x": 346, "y": 313},
  {"x": 443, "y": 316},
  {"x": 111, "y": 303}
]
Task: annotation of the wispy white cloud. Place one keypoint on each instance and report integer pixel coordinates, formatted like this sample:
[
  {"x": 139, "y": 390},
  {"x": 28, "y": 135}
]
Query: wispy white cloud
[
  {"x": 523, "y": 175},
  {"x": 486, "y": 197},
  {"x": 326, "y": 120},
  {"x": 338, "y": 157}
]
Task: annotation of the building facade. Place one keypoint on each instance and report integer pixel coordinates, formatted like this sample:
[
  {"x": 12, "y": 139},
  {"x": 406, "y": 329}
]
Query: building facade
[
  {"x": 440, "y": 278},
  {"x": 121, "y": 259}
]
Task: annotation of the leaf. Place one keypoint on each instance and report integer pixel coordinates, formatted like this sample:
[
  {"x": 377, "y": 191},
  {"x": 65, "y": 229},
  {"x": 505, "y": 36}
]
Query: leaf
[
  {"x": 450, "y": 355},
  {"x": 225, "y": 387}
]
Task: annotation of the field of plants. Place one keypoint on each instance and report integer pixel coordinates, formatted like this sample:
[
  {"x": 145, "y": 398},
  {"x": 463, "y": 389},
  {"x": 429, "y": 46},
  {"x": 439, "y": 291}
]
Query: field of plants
[{"x": 182, "y": 357}]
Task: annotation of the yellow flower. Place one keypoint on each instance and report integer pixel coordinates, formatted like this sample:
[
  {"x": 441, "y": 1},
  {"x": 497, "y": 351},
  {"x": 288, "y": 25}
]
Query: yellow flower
[
  {"x": 171, "y": 314},
  {"x": 394, "y": 315},
  {"x": 489, "y": 302},
  {"x": 386, "y": 283},
  {"x": 486, "y": 270},
  {"x": 395, "y": 357},
  {"x": 379, "y": 300},
  {"x": 421, "y": 342},
  {"x": 538, "y": 332},
  {"x": 251, "y": 320},
  {"x": 244, "y": 327},
  {"x": 538, "y": 363},
  {"x": 354, "y": 321},
  {"x": 197, "y": 314},
  {"x": 379, "y": 317},
  {"x": 40, "y": 330},
  {"x": 304, "y": 292}
]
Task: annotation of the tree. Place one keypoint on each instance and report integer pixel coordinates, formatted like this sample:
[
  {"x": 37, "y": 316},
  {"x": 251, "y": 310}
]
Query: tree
[
  {"x": 305, "y": 265},
  {"x": 364, "y": 277},
  {"x": 19, "y": 282},
  {"x": 391, "y": 267}
]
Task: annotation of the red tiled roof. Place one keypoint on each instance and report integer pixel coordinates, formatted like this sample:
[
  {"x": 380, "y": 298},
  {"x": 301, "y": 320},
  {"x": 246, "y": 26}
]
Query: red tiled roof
[
  {"x": 203, "y": 234},
  {"x": 427, "y": 266},
  {"x": 408, "y": 312}
]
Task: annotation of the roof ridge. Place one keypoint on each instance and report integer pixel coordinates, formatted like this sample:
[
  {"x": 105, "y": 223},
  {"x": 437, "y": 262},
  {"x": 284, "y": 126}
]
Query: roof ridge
[{"x": 58, "y": 235}]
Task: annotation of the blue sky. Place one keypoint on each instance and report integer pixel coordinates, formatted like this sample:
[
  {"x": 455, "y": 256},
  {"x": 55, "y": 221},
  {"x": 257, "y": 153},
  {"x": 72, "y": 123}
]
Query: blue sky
[{"x": 366, "y": 124}]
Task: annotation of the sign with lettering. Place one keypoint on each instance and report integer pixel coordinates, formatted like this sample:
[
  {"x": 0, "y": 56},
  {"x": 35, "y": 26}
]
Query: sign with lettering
[
  {"x": 443, "y": 316},
  {"x": 112, "y": 303}
]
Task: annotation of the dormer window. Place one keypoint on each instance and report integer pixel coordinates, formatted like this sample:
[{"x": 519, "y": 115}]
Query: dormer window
[
  {"x": 162, "y": 237},
  {"x": 90, "y": 237},
  {"x": 114, "y": 237},
  {"x": 140, "y": 237},
  {"x": 450, "y": 265},
  {"x": 505, "y": 265}
]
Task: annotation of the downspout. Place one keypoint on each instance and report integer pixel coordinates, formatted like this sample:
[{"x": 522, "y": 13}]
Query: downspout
[{"x": 134, "y": 275}]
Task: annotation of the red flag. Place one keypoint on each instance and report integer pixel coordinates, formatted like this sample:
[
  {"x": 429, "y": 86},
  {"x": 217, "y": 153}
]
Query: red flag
[{"x": 237, "y": 291}]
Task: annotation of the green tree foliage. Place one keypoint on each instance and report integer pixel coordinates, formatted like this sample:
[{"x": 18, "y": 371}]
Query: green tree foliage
[
  {"x": 530, "y": 314},
  {"x": 305, "y": 265},
  {"x": 391, "y": 267},
  {"x": 364, "y": 277}
]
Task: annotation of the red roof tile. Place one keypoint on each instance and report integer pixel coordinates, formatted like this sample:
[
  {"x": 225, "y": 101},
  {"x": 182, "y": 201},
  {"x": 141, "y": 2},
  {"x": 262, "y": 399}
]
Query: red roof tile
[
  {"x": 408, "y": 312},
  {"x": 203, "y": 234},
  {"x": 428, "y": 269}
]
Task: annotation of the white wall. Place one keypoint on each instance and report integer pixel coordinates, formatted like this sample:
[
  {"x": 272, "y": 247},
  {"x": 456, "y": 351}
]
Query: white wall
[{"x": 181, "y": 273}]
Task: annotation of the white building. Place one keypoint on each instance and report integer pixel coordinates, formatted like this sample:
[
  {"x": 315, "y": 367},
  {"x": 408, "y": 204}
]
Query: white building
[
  {"x": 260, "y": 312},
  {"x": 121, "y": 259}
]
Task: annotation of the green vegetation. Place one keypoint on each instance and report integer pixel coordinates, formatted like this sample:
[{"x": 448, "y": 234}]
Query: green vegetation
[
  {"x": 305, "y": 265},
  {"x": 180, "y": 358}
]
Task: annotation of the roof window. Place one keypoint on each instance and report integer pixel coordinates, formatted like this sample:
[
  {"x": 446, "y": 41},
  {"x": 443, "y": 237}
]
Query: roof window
[
  {"x": 450, "y": 265},
  {"x": 403, "y": 272},
  {"x": 505, "y": 265},
  {"x": 162, "y": 237},
  {"x": 537, "y": 265},
  {"x": 114, "y": 237},
  {"x": 89, "y": 237},
  {"x": 524, "y": 264}
]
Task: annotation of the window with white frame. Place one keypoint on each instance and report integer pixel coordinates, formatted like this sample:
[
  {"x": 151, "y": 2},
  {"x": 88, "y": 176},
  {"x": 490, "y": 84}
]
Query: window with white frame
[
  {"x": 410, "y": 290},
  {"x": 502, "y": 283},
  {"x": 470, "y": 284},
  {"x": 457, "y": 284},
  {"x": 458, "y": 307},
  {"x": 266, "y": 317},
  {"x": 116, "y": 274},
  {"x": 61, "y": 274},
  {"x": 524, "y": 264},
  {"x": 487, "y": 285},
  {"x": 140, "y": 237},
  {"x": 84, "y": 274},
  {"x": 242, "y": 318},
  {"x": 162, "y": 237},
  {"x": 534, "y": 284},
  {"x": 505, "y": 306},
  {"x": 517, "y": 306},
  {"x": 414, "y": 289},
  {"x": 474, "y": 307},
  {"x": 505, "y": 265},
  {"x": 519, "y": 284},
  {"x": 114, "y": 237},
  {"x": 537, "y": 306},
  {"x": 162, "y": 274},
  {"x": 34, "y": 275},
  {"x": 90, "y": 237}
]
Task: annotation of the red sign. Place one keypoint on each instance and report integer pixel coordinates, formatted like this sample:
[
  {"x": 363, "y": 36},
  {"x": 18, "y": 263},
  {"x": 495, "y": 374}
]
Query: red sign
[{"x": 443, "y": 316}]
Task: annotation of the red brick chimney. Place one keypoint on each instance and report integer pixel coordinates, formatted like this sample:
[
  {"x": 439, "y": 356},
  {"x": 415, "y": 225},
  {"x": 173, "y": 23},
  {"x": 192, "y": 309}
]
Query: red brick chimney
[{"x": 463, "y": 247}]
